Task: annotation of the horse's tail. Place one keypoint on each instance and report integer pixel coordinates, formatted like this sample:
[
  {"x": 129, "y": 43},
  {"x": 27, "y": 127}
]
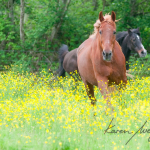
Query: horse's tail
[{"x": 63, "y": 50}]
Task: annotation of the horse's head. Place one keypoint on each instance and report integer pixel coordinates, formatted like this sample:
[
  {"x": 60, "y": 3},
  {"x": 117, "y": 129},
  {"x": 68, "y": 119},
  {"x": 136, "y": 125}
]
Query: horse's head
[
  {"x": 107, "y": 33},
  {"x": 135, "y": 44}
]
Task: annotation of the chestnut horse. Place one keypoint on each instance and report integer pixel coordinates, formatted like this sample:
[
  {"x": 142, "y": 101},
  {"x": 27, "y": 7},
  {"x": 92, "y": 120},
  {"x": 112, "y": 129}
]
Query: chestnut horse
[{"x": 100, "y": 59}]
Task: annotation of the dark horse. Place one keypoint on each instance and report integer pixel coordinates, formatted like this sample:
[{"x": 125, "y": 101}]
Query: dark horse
[
  {"x": 68, "y": 61},
  {"x": 131, "y": 41},
  {"x": 100, "y": 59}
]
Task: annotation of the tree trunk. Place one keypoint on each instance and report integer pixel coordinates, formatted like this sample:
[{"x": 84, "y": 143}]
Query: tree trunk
[
  {"x": 57, "y": 26},
  {"x": 11, "y": 11},
  {"x": 95, "y": 4},
  {"x": 133, "y": 8},
  {"x": 64, "y": 1},
  {"x": 104, "y": 4},
  {"x": 22, "y": 21}
]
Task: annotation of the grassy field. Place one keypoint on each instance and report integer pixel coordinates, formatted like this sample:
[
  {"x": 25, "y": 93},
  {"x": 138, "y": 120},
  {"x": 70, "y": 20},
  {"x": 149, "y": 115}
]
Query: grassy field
[{"x": 37, "y": 113}]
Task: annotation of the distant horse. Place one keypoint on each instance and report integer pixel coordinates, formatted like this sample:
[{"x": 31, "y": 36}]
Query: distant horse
[
  {"x": 131, "y": 41},
  {"x": 100, "y": 59},
  {"x": 68, "y": 61}
]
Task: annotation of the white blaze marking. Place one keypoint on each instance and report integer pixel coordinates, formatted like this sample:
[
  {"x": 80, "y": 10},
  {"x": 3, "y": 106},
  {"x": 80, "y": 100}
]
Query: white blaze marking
[
  {"x": 143, "y": 47},
  {"x": 108, "y": 42},
  {"x": 138, "y": 37}
]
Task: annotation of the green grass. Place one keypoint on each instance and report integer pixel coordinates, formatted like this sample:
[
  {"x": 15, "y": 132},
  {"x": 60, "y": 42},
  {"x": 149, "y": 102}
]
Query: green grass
[{"x": 43, "y": 113}]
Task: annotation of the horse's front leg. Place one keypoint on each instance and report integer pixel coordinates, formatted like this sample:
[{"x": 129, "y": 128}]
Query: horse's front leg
[
  {"x": 105, "y": 91},
  {"x": 90, "y": 92},
  {"x": 127, "y": 66}
]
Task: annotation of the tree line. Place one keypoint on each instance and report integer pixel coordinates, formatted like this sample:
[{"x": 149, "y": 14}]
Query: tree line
[{"x": 31, "y": 31}]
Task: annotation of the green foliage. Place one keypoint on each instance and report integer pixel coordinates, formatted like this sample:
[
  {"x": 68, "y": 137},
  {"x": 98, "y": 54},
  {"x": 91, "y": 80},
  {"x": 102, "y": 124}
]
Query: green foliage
[
  {"x": 22, "y": 65},
  {"x": 72, "y": 27},
  {"x": 140, "y": 66},
  {"x": 132, "y": 15},
  {"x": 78, "y": 24}
]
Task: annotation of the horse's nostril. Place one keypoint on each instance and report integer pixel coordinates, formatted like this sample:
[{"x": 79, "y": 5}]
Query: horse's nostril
[
  {"x": 110, "y": 54},
  {"x": 142, "y": 52},
  {"x": 107, "y": 54},
  {"x": 104, "y": 53}
]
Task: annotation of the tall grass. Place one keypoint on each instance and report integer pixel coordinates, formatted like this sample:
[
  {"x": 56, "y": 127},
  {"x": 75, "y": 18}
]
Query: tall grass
[
  {"x": 140, "y": 66},
  {"x": 44, "y": 113}
]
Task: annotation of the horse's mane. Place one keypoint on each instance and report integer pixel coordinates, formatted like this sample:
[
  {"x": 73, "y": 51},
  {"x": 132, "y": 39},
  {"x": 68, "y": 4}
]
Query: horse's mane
[{"x": 97, "y": 24}]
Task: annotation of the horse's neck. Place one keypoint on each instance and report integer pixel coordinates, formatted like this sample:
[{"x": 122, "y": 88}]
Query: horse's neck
[
  {"x": 125, "y": 49},
  {"x": 96, "y": 50},
  {"x": 128, "y": 55}
]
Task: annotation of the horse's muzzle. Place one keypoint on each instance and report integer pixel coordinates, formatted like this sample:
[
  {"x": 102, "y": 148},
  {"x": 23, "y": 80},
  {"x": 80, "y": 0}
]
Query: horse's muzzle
[
  {"x": 107, "y": 55},
  {"x": 142, "y": 53}
]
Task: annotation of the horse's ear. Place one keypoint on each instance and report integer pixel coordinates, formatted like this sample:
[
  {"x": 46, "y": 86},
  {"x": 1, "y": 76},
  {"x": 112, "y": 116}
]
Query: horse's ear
[
  {"x": 113, "y": 16},
  {"x": 101, "y": 18},
  {"x": 129, "y": 31}
]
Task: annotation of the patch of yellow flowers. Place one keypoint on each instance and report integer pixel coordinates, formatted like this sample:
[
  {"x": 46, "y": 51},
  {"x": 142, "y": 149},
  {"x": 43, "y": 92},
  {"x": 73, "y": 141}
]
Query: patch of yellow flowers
[{"x": 40, "y": 103}]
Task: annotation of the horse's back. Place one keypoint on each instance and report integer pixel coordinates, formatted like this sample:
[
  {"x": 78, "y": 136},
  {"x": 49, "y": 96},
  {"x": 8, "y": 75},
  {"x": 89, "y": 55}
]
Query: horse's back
[{"x": 70, "y": 61}]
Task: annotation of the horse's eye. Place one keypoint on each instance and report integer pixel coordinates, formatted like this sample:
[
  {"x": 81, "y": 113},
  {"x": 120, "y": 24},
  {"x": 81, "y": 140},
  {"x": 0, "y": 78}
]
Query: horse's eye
[
  {"x": 114, "y": 32},
  {"x": 100, "y": 32}
]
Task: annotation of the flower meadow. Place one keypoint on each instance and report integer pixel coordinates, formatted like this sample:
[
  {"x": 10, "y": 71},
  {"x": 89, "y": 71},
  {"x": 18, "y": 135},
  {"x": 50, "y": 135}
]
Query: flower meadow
[{"x": 42, "y": 112}]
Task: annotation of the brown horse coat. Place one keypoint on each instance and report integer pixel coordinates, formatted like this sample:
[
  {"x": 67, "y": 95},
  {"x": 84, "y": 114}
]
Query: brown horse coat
[{"x": 93, "y": 65}]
